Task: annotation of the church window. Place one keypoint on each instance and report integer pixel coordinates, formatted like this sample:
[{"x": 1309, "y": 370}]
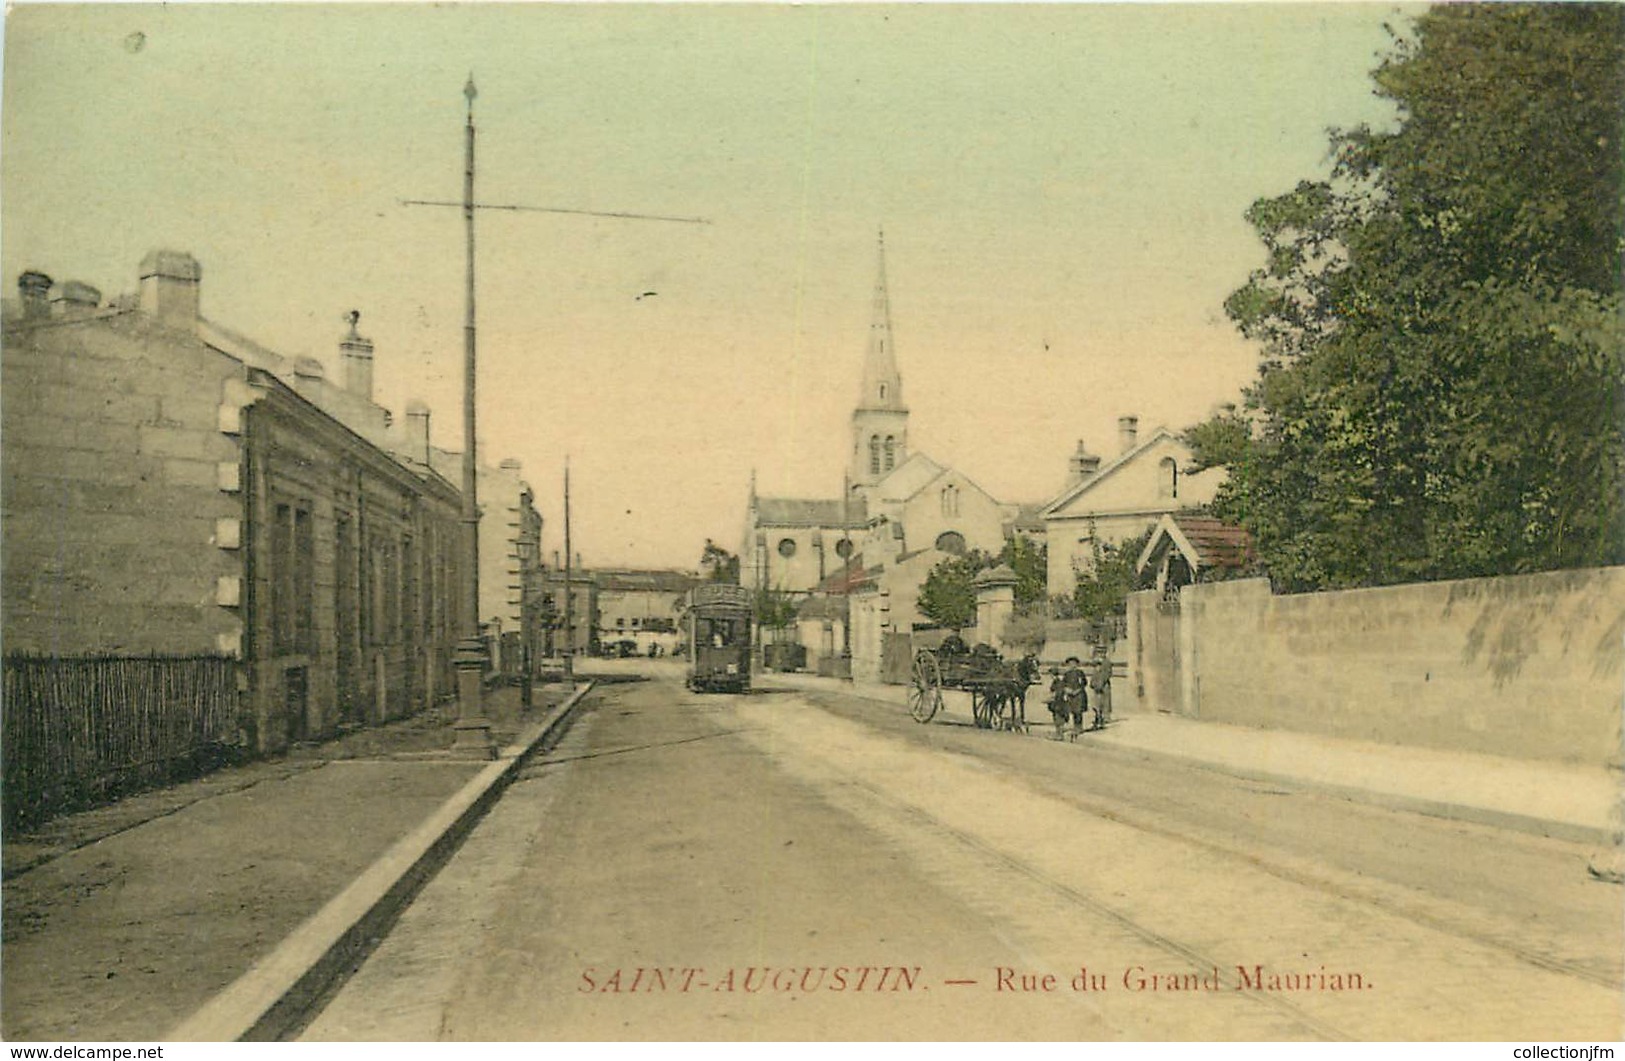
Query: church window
[
  {"x": 891, "y": 452},
  {"x": 787, "y": 547},
  {"x": 951, "y": 542},
  {"x": 843, "y": 548},
  {"x": 874, "y": 454},
  {"x": 882, "y": 392},
  {"x": 949, "y": 500},
  {"x": 1168, "y": 478}
]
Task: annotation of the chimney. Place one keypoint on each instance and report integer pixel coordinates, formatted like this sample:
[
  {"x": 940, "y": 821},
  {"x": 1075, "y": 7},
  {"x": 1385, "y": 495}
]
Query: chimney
[
  {"x": 34, "y": 288},
  {"x": 417, "y": 429},
  {"x": 1128, "y": 428},
  {"x": 308, "y": 372},
  {"x": 169, "y": 288},
  {"x": 78, "y": 299},
  {"x": 357, "y": 360},
  {"x": 1082, "y": 465}
]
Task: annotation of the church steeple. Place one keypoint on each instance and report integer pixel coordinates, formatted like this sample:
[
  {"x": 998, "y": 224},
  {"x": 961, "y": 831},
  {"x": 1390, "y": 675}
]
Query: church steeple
[
  {"x": 882, "y": 386},
  {"x": 880, "y": 421}
]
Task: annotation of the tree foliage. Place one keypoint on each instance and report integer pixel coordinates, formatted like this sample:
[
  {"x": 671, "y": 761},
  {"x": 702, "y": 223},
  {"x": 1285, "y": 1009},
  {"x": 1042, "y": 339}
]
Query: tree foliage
[
  {"x": 1440, "y": 394},
  {"x": 947, "y": 597},
  {"x": 774, "y": 609},
  {"x": 1103, "y": 590},
  {"x": 718, "y": 564},
  {"x": 1030, "y": 561}
]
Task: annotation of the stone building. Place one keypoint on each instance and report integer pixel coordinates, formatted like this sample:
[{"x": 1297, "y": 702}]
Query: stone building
[
  {"x": 1120, "y": 499},
  {"x": 175, "y": 492},
  {"x": 899, "y": 503},
  {"x": 642, "y": 607},
  {"x": 510, "y": 547}
]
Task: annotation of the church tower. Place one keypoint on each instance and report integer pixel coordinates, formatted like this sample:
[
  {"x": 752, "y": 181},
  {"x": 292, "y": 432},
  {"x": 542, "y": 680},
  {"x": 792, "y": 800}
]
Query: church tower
[{"x": 880, "y": 421}]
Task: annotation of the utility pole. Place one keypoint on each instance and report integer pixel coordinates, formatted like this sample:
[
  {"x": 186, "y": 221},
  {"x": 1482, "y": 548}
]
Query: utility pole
[
  {"x": 846, "y": 575},
  {"x": 569, "y": 590},
  {"x": 473, "y": 730}
]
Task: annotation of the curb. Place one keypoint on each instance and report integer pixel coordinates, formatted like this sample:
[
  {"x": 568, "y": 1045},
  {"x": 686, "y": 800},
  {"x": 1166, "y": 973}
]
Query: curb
[
  {"x": 1575, "y": 832},
  {"x": 277, "y": 996}
]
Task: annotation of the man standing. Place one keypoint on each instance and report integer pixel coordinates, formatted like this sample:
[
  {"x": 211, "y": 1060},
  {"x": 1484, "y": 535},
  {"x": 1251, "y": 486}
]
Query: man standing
[
  {"x": 1101, "y": 683},
  {"x": 1069, "y": 698}
]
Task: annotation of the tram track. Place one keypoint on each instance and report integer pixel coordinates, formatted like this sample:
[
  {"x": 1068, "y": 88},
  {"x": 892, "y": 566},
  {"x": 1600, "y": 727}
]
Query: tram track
[
  {"x": 1390, "y": 899},
  {"x": 1039, "y": 833}
]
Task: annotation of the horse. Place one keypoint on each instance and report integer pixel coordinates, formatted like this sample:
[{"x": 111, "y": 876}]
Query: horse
[{"x": 1007, "y": 695}]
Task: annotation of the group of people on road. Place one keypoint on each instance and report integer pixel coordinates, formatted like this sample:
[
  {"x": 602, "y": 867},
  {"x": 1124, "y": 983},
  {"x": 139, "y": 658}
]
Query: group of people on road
[{"x": 1069, "y": 695}]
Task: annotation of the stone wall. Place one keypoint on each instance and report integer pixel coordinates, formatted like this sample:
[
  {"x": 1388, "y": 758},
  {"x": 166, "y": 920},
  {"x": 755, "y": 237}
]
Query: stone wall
[
  {"x": 1529, "y": 666},
  {"x": 113, "y": 498}
]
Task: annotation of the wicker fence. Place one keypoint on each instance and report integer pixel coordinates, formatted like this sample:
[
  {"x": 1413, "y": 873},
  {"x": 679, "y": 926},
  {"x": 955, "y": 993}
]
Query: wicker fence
[{"x": 79, "y": 731}]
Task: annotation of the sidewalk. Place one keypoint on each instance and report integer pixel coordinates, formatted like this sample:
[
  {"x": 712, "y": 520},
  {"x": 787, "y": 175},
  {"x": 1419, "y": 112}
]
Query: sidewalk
[
  {"x": 1576, "y": 803},
  {"x": 121, "y": 922}
]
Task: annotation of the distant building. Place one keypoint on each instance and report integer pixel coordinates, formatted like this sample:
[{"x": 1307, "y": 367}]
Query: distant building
[
  {"x": 899, "y": 503},
  {"x": 179, "y": 496},
  {"x": 573, "y": 629},
  {"x": 510, "y": 546},
  {"x": 1120, "y": 499},
  {"x": 642, "y": 607}
]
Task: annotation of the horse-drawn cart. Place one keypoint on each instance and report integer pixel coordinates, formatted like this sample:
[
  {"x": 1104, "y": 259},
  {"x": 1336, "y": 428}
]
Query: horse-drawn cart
[{"x": 997, "y": 687}]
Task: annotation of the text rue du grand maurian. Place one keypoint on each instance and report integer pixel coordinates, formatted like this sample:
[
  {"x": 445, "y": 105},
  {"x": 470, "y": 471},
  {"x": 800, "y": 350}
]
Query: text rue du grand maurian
[{"x": 907, "y": 979}]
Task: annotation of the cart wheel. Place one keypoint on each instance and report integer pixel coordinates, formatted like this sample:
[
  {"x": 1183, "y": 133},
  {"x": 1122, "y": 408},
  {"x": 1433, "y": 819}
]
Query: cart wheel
[
  {"x": 925, "y": 692},
  {"x": 981, "y": 709}
]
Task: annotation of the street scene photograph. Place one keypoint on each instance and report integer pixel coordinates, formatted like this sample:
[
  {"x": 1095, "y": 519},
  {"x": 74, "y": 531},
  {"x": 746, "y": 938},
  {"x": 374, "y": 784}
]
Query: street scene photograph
[{"x": 810, "y": 523}]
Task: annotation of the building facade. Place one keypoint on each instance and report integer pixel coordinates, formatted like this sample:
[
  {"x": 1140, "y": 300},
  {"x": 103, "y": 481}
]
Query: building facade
[
  {"x": 173, "y": 490},
  {"x": 642, "y": 608}
]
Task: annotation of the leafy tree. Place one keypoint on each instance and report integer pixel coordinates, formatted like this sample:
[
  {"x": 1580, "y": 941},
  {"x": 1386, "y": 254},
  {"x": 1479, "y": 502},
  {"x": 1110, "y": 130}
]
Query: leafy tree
[
  {"x": 1103, "y": 591},
  {"x": 1030, "y": 561},
  {"x": 1440, "y": 393},
  {"x": 718, "y": 564},
  {"x": 947, "y": 596},
  {"x": 774, "y": 609}
]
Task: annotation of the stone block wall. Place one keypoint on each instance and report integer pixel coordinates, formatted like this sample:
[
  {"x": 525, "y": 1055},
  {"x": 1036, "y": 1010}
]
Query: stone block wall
[
  {"x": 1528, "y": 666},
  {"x": 113, "y": 499}
]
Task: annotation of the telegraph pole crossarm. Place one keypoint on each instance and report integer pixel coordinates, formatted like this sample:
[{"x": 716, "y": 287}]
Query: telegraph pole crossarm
[{"x": 473, "y": 730}]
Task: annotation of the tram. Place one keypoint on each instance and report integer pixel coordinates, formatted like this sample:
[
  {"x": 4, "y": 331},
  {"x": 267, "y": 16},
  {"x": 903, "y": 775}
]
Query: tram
[{"x": 718, "y": 628}]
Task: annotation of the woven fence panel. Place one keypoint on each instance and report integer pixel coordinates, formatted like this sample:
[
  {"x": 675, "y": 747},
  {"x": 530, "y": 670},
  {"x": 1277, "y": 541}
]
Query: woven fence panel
[{"x": 78, "y": 731}]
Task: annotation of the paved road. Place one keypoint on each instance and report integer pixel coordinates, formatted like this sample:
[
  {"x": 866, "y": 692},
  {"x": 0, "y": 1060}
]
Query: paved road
[{"x": 812, "y": 866}]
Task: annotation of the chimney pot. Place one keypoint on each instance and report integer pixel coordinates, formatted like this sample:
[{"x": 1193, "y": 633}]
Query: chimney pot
[
  {"x": 1082, "y": 465},
  {"x": 35, "y": 289},
  {"x": 1127, "y": 431},
  {"x": 169, "y": 288},
  {"x": 417, "y": 419},
  {"x": 79, "y": 297},
  {"x": 357, "y": 353}
]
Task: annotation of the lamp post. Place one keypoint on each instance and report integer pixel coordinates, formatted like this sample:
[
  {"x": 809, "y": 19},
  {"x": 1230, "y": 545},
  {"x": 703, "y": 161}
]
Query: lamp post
[{"x": 472, "y": 731}]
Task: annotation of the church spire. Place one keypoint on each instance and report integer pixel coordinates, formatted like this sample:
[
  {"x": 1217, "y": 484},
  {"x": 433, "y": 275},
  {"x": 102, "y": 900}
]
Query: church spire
[
  {"x": 880, "y": 421},
  {"x": 882, "y": 386}
]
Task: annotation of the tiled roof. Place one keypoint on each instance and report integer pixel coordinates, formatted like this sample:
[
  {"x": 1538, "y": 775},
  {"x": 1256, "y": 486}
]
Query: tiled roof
[
  {"x": 799, "y": 512},
  {"x": 821, "y": 606},
  {"x": 1217, "y": 543},
  {"x": 627, "y": 580},
  {"x": 852, "y": 577}
]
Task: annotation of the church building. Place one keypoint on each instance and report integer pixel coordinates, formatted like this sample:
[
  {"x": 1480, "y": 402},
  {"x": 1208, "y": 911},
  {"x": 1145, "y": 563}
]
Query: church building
[{"x": 901, "y": 511}]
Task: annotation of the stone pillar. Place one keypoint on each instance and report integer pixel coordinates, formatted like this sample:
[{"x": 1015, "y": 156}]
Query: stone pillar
[{"x": 995, "y": 603}]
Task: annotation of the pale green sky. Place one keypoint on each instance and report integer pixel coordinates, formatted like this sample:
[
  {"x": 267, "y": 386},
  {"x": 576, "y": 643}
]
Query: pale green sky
[{"x": 1061, "y": 185}]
